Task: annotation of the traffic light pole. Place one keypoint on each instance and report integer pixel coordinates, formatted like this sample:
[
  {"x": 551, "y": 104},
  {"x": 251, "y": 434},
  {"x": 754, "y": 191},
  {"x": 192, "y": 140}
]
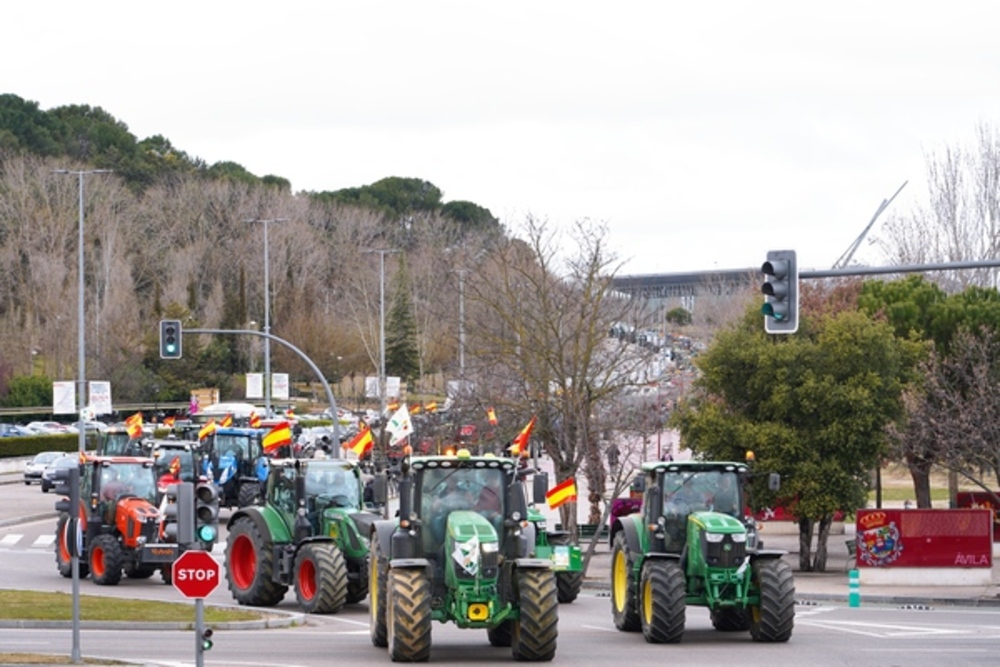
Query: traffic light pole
[
  {"x": 302, "y": 355},
  {"x": 199, "y": 629}
]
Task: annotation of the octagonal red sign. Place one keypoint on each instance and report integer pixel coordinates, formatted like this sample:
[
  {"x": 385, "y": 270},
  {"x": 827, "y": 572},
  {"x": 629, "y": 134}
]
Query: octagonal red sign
[{"x": 195, "y": 574}]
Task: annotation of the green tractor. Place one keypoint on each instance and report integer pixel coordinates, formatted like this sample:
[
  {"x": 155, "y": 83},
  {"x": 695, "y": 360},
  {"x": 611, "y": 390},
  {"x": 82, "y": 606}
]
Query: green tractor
[
  {"x": 461, "y": 551},
  {"x": 692, "y": 545},
  {"x": 310, "y": 533}
]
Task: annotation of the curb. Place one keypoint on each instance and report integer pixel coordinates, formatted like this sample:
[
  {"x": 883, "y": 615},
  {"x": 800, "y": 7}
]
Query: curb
[
  {"x": 285, "y": 619},
  {"x": 28, "y": 518}
]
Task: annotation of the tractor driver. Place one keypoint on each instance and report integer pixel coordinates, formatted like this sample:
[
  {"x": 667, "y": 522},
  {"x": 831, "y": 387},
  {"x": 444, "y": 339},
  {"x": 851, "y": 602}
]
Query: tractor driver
[{"x": 450, "y": 497}]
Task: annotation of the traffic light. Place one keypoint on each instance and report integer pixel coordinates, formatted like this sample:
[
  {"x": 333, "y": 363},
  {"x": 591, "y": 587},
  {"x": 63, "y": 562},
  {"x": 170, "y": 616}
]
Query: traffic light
[
  {"x": 205, "y": 640},
  {"x": 67, "y": 485},
  {"x": 781, "y": 290},
  {"x": 170, "y": 339},
  {"x": 206, "y": 513},
  {"x": 178, "y": 514}
]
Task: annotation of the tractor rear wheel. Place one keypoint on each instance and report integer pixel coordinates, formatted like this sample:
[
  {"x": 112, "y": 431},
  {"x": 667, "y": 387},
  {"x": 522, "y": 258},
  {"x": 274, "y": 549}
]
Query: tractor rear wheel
[
  {"x": 106, "y": 561},
  {"x": 250, "y": 566},
  {"x": 731, "y": 620},
  {"x": 623, "y": 586},
  {"x": 320, "y": 578},
  {"x": 377, "y": 582},
  {"x": 662, "y": 601},
  {"x": 773, "y": 619},
  {"x": 408, "y": 603},
  {"x": 499, "y": 635},
  {"x": 63, "y": 555},
  {"x": 357, "y": 590},
  {"x": 139, "y": 571},
  {"x": 248, "y": 494},
  {"x": 535, "y": 631}
]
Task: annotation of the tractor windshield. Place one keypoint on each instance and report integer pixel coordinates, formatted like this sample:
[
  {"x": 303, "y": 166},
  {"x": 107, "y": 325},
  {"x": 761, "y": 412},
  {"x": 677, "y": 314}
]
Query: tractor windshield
[
  {"x": 697, "y": 491},
  {"x": 127, "y": 479},
  {"x": 445, "y": 490},
  {"x": 237, "y": 446},
  {"x": 331, "y": 485}
]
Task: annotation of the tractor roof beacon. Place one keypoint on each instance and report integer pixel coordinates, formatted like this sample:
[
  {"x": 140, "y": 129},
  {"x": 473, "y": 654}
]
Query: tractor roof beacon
[
  {"x": 692, "y": 544},
  {"x": 461, "y": 551}
]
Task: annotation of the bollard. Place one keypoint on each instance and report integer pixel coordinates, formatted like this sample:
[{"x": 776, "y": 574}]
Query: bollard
[{"x": 853, "y": 588}]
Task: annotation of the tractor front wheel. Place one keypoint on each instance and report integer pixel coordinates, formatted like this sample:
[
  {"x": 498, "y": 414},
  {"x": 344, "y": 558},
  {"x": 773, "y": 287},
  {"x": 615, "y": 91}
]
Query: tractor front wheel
[
  {"x": 248, "y": 494},
  {"x": 408, "y": 600},
  {"x": 64, "y": 561},
  {"x": 773, "y": 619},
  {"x": 662, "y": 602},
  {"x": 568, "y": 584},
  {"x": 250, "y": 566},
  {"x": 500, "y": 634},
  {"x": 623, "y": 586},
  {"x": 377, "y": 582},
  {"x": 535, "y": 631},
  {"x": 320, "y": 578},
  {"x": 731, "y": 620},
  {"x": 106, "y": 561}
]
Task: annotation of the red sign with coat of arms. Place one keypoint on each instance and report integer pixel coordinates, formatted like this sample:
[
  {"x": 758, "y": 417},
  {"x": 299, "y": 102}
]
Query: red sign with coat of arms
[{"x": 924, "y": 538}]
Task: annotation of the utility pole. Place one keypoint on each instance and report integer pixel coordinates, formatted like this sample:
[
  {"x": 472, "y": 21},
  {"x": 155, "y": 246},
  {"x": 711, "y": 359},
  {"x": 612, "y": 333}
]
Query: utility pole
[{"x": 267, "y": 315}]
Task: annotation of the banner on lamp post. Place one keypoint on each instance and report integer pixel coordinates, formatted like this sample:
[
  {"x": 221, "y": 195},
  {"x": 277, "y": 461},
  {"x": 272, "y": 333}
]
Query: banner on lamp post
[
  {"x": 100, "y": 397},
  {"x": 255, "y": 385},
  {"x": 279, "y": 386},
  {"x": 64, "y": 398}
]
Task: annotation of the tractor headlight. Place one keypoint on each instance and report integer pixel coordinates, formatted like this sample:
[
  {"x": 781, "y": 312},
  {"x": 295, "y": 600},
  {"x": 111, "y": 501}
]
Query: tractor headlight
[
  {"x": 714, "y": 538},
  {"x": 739, "y": 538},
  {"x": 490, "y": 547}
]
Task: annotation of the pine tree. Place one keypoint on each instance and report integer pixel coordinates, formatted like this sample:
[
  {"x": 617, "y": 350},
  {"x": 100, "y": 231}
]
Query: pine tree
[{"x": 401, "y": 354}]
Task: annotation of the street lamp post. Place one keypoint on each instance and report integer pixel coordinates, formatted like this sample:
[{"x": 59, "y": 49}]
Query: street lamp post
[
  {"x": 267, "y": 315},
  {"x": 80, "y": 392}
]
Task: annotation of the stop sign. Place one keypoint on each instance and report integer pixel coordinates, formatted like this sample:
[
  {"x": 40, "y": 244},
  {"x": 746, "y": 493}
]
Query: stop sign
[{"x": 195, "y": 574}]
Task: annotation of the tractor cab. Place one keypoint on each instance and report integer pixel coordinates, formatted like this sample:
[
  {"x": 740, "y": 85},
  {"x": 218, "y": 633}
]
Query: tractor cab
[{"x": 685, "y": 490}]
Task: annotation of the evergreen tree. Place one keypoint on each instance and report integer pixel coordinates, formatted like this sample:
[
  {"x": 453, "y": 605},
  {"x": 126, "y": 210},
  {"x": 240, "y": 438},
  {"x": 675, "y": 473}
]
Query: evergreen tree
[{"x": 401, "y": 354}]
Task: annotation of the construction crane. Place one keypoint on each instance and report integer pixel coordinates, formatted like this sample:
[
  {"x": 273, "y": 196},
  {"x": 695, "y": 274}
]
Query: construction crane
[{"x": 845, "y": 259}]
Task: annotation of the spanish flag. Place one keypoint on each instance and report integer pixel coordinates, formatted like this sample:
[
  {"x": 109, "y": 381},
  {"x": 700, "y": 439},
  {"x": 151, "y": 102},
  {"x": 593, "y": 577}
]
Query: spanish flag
[
  {"x": 431, "y": 407},
  {"x": 168, "y": 422},
  {"x": 362, "y": 442},
  {"x": 134, "y": 425},
  {"x": 226, "y": 421},
  {"x": 415, "y": 409},
  {"x": 254, "y": 419},
  {"x": 280, "y": 435},
  {"x": 520, "y": 444},
  {"x": 207, "y": 430},
  {"x": 491, "y": 416},
  {"x": 563, "y": 492}
]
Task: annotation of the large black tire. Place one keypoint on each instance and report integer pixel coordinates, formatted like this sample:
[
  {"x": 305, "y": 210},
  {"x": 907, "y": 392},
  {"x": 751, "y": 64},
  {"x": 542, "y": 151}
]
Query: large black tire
[
  {"x": 662, "y": 602},
  {"x": 64, "y": 562},
  {"x": 500, "y": 635},
  {"x": 320, "y": 578},
  {"x": 105, "y": 561},
  {"x": 248, "y": 494},
  {"x": 250, "y": 566},
  {"x": 167, "y": 574},
  {"x": 568, "y": 584},
  {"x": 773, "y": 619},
  {"x": 731, "y": 620},
  {"x": 408, "y": 606},
  {"x": 357, "y": 590},
  {"x": 535, "y": 631},
  {"x": 623, "y": 587},
  {"x": 377, "y": 582},
  {"x": 137, "y": 572}
]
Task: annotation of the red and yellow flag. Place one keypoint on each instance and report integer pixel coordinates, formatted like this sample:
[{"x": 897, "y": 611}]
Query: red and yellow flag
[
  {"x": 290, "y": 413},
  {"x": 169, "y": 421},
  {"x": 362, "y": 442},
  {"x": 431, "y": 407},
  {"x": 226, "y": 421},
  {"x": 415, "y": 409},
  {"x": 491, "y": 416},
  {"x": 520, "y": 443},
  {"x": 563, "y": 492},
  {"x": 134, "y": 425},
  {"x": 393, "y": 406},
  {"x": 280, "y": 435},
  {"x": 207, "y": 430},
  {"x": 254, "y": 419}
]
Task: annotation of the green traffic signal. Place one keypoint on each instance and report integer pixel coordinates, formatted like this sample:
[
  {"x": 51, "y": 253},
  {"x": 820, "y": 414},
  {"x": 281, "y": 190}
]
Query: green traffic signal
[
  {"x": 781, "y": 292},
  {"x": 170, "y": 339},
  {"x": 206, "y": 639}
]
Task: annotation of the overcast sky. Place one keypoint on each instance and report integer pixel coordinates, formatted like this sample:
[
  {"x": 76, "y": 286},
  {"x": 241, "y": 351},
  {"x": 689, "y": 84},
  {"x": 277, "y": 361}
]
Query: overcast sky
[{"x": 702, "y": 133}]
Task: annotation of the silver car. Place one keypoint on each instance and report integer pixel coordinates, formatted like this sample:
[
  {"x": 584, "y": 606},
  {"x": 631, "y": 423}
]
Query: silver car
[
  {"x": 49, "y": 474},
  {"x": 33, "y": 469}
]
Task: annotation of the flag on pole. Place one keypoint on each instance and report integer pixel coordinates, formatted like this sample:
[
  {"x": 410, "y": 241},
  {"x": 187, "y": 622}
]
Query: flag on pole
[
  {"x": 254, "y": 419},
  {"x": 520, "y": 443},
  {"x": 362, "y": 442},
  {"x": 193, "y": 406},
  {"x": 134, "y": 425},
  {"x": 399, "y": 426},
  {"x": 207, "y": 430},
  {"x": 280, "y": 435},
  {"x": 415, "y": 409},
  {"x": 563, "y": 492},
  {"x": 226, "y": 421},
  {"x": 491, "y": 416},
  {"x": 431, "y": 407},
  {"x": 168, "y": 422}
]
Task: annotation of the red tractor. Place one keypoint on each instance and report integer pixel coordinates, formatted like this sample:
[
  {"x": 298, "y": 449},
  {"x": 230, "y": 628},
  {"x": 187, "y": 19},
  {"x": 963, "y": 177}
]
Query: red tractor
[{"x": 120, "y": 526}]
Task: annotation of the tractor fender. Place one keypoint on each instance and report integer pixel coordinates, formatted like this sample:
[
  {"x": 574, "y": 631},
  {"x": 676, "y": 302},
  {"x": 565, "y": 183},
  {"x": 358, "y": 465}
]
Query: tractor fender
[
  {"x": 770, "y": 554},
  {"x": 628, "y": 524},
  {"x": 255, "y": 515},
  {"x": 384, "y": 530}
]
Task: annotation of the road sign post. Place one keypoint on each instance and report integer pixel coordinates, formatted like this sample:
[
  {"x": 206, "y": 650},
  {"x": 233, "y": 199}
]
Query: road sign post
[{"x": 196, "y": 574}]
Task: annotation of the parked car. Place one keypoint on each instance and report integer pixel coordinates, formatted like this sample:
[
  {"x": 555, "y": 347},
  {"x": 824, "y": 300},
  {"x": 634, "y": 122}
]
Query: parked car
[
  {"x": 35, "y": 467},
  {"x": 12, "y": 430},
  {"x": 49, "y": 474},
  {"x": 48, "y": 427}
]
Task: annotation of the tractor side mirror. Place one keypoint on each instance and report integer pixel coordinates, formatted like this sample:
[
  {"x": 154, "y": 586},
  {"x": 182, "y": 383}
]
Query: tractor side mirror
[
  {"x": 539, "y": 487},
  {"x": 774, "y": 481}
]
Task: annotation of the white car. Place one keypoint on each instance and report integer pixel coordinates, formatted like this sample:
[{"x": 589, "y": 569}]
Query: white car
[
  {"x": 34, "y": 468},
  {"x": 48, "y": 427}
]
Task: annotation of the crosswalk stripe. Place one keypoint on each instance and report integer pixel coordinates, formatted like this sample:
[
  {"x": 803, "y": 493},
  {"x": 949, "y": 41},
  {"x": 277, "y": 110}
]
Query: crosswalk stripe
[
  {"x": 10, "y": 540},
  {"x": 43, "y": 541}
]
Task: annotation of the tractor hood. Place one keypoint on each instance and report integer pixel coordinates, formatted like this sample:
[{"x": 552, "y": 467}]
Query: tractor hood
[
  {"x": 470, "y": 536},
  {"x": 715, "y": 522}
]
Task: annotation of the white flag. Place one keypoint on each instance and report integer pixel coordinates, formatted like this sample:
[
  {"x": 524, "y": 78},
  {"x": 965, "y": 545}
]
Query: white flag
[{"x": 399, "y": 425}]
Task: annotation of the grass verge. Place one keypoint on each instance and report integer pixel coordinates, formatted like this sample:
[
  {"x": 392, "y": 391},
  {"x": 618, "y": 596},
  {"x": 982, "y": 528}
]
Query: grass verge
[{"x": 36, "y": 606}]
